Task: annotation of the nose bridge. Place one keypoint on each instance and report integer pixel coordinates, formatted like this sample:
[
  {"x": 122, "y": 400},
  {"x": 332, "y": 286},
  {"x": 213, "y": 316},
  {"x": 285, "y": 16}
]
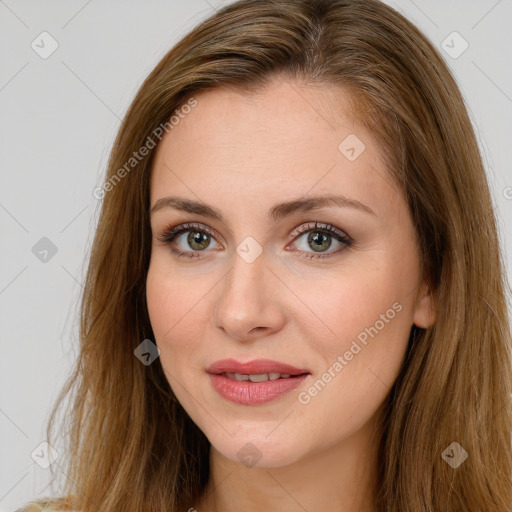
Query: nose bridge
[
  {"x": 245, "y": 281},
  {"x": 245, "y": 300}
]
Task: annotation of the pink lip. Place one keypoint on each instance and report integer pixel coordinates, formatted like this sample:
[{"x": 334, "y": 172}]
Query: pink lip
[
  {"x": 252, "y": 393},
  {"x": 253, "y": 367}
]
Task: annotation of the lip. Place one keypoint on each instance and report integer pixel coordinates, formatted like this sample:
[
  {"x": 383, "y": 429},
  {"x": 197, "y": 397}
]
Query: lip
[
  {"x": 253, "y": 367},
  {"x": 253, "y": 393}
]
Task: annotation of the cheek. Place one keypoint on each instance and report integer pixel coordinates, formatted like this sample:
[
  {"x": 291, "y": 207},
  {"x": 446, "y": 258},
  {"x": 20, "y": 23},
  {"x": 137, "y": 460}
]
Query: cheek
[
  {"x": 357, "y": 367},
  {"x": 173, "y": 308},
  {"x": 342, "y": 307},
  {"x": 360, "y": 332}
]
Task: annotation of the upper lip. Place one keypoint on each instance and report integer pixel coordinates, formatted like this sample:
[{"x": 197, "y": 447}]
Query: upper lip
[{"x": 254, "y": 367}]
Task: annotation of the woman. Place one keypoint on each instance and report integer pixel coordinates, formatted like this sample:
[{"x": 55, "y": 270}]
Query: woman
[{"x": 295, "y": 298}]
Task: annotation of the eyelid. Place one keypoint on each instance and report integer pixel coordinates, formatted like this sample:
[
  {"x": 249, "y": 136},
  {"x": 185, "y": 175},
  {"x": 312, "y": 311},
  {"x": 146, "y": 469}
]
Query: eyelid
[
  {"x": 302, "y": 228},
  {"x": 169, "y": 234},
  {"x": 321, "y": 226}
]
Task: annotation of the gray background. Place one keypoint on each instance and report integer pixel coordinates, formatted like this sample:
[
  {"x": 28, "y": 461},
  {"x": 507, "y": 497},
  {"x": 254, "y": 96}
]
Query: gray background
[{"x": 59, "y": 116}]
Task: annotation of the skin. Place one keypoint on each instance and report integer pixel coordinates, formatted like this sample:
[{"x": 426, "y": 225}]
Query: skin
[{"x": 243, "y": 153}]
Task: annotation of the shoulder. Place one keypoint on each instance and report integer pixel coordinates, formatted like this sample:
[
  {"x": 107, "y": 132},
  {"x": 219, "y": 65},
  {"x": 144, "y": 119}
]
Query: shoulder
[
  {"x": 34, "y": 506},
  {"x": 43, "y": 506}
]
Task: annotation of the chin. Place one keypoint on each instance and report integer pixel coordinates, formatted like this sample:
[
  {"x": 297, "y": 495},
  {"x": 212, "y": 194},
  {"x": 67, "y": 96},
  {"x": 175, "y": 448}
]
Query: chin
[{"x": 258, "y": 448}]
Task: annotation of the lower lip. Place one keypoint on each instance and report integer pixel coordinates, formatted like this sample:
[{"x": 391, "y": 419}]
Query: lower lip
[{"x": 252, "y": 393}]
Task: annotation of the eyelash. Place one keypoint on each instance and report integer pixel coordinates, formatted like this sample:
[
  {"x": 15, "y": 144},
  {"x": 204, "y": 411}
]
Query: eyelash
[{"x": 170, "y": 233}]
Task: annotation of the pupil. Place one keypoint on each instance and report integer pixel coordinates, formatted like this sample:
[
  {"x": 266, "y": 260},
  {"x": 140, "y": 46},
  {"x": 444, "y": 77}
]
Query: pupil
[
  {"x": 319, "y": 240},
  {"x": 201, "y": 239}
]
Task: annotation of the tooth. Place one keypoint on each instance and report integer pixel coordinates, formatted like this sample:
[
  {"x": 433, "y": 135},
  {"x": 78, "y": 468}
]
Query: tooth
[
  {"x": 285, "y": 375},
  {"x": 273, "y": 376},
  {"x": 241, "y": 377},
  {"x": 230, "y": 375},
  {"x": 260, "y": 377}
]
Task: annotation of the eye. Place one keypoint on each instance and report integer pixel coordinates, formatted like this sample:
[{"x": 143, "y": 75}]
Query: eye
[
  {"x": 320, "y": 238},
  {"x": 199, "y": 238}
]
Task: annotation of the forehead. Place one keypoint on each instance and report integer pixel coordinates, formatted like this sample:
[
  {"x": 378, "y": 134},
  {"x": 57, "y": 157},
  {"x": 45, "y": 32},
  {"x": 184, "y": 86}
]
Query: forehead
[
  {"x": 290, "y": 109},
  {"x": 286, "y": 140}
]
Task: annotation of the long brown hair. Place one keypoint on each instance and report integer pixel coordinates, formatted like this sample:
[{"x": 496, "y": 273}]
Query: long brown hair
[{"x": 131, "y": 446}]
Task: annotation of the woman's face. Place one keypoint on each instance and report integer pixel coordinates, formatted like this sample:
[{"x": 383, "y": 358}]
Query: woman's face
[{"x": 257, "y": 279}]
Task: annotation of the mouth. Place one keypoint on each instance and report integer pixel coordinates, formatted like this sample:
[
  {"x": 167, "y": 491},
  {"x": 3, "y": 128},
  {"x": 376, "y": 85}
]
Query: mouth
[
  {"x": 259, "y": 377},
  {"x": 257, "y": 368},
  {"x": 254, "y": 382}
]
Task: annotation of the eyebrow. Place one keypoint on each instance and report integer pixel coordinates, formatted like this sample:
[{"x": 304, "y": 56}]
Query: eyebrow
[{"x": 276, "y": 213}]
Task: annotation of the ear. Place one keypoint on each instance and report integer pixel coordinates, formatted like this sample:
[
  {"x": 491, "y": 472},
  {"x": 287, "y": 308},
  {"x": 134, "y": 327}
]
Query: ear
[{"x": 424, "y": 313}]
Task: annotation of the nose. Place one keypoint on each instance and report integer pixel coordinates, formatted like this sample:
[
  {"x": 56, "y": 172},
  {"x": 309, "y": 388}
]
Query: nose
[{"x": 249, "y": 303}]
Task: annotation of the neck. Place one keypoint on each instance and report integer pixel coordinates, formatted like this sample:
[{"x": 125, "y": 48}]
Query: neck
[{"x": 337, "y": 478}]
